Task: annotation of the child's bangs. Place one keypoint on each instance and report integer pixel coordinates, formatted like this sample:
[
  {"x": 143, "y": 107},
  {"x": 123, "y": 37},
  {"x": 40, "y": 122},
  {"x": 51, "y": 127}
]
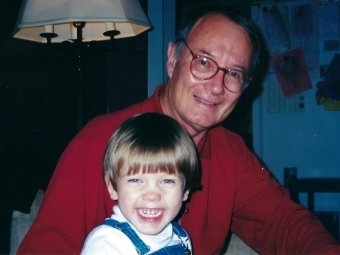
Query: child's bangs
[{"x": 151, "y": 163}]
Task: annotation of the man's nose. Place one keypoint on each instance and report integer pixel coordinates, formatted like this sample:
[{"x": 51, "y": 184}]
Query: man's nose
[{"x": 215, "y": 84}]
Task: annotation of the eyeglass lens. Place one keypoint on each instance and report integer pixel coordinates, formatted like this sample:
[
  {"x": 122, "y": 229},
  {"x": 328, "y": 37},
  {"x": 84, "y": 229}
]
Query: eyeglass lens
[{"x": 205, "y": 68}]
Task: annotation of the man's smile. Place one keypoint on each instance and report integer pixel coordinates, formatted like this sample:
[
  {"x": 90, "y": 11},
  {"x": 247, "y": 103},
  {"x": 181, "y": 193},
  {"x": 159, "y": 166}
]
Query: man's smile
[{"x": 203, "y": 101}]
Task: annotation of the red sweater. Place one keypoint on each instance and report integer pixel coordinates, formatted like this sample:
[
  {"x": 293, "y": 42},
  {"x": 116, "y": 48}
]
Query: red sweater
[{"x": 238, "y": 194}]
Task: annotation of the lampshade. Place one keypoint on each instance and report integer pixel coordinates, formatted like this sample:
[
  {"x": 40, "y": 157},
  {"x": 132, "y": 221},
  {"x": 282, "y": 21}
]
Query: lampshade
[{"x": 57, "y": 16}]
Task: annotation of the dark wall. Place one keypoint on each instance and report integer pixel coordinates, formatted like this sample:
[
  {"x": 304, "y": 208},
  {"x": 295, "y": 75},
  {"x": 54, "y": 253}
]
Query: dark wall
[
  {"x": 39, "y": 111},
  {"x": 39, "y": 100},
  {"x": 127, "y": 68}
]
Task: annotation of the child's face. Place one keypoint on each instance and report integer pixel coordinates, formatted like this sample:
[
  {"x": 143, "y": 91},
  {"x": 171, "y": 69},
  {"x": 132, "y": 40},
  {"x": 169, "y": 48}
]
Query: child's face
[{"x": 149, "y": 201}]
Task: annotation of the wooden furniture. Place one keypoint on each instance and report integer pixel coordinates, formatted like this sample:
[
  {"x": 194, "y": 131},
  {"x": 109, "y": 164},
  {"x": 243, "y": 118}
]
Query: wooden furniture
[{"x": 295, "y": 185}]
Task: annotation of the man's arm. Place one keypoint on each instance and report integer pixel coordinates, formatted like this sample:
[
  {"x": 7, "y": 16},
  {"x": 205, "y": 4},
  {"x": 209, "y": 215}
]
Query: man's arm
[{"x": 266, "y": 219}]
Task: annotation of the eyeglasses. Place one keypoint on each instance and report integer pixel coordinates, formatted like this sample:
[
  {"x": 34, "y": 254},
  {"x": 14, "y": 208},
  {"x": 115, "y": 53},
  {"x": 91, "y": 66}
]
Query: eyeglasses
[{"x": 204, "y": 68}]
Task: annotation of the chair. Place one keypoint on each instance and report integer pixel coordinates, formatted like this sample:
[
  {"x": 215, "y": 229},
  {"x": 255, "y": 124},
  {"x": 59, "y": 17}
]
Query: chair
[
  {"x": 21, "y": 222},
  {"x": 312, "y": 186}
]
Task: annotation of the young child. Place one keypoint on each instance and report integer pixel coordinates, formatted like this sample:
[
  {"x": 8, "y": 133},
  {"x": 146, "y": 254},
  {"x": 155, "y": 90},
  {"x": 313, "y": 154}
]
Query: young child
[{"x": 150, "y": 165}]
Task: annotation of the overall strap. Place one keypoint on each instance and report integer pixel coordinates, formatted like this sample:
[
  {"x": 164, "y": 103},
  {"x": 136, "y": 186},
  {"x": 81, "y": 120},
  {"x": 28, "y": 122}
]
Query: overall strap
[
  {"x": 179, "y": 230},
  {"x": 140, "y": 246},
  {"x": 177, "y": 249}
]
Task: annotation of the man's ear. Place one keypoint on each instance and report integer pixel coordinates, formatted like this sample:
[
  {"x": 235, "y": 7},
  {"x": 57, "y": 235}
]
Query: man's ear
[
  {"x": 113, "y": 193},
  {"x": 171, "y": 58},
  {"x": 185, "y": 195}
]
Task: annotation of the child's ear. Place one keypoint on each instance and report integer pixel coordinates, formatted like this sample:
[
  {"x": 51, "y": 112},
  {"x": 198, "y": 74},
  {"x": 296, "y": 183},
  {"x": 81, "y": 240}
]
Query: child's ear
[
  {"x": 113, "y": 193},
  {"x": 185, "y": 195}
]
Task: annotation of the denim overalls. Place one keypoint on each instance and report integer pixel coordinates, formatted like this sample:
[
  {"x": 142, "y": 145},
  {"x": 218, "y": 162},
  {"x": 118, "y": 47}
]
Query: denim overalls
[{"x": 142, "y": 248}]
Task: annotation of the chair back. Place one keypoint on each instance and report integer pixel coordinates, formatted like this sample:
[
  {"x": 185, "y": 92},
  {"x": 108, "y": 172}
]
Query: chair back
[{"x": 310, "y": 186}]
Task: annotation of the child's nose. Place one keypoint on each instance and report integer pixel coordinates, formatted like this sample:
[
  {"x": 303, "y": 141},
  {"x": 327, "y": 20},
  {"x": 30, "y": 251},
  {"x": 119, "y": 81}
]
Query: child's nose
[{"x": 152, "y": 194}]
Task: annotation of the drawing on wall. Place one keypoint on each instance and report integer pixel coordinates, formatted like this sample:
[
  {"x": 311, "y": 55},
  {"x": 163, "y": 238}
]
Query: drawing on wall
[
  {"x": 274, "y": 27},
  {"x": 277, "y": 103},
  {"x": 292, "y": 72},
  {"x": 302, "y": 18}
]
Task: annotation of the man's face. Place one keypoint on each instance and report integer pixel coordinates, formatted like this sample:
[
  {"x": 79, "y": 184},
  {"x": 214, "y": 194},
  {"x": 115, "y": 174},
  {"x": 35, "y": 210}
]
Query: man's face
[
  {"x": 201, "y": 104},
  {"x": 149, "y": 201}
]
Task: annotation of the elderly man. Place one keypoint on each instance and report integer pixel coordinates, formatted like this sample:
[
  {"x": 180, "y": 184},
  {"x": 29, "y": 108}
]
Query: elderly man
[{"x": 209, "y": 65}]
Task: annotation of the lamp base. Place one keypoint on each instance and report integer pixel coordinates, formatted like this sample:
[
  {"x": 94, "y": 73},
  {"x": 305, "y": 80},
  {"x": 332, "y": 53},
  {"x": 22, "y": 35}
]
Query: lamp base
[
  {"x": 111, "y": 33},
  {"x": 48, "y": 36}
]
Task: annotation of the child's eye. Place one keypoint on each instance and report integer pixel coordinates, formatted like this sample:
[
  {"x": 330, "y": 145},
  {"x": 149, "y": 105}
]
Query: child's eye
[
  {"x": 168, "y": 181},
  {"x": 133, "y": 180}
]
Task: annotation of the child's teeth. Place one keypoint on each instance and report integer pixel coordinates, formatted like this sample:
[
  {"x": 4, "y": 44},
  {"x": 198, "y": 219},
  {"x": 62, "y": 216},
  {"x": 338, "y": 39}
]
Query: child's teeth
[{"x": 150, "y": 213}]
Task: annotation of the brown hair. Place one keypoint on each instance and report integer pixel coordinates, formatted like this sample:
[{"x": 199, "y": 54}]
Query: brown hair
[{"x": 154, "y": 143}]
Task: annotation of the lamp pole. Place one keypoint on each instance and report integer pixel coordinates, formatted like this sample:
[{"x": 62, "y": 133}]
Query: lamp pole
[
  {"x": 78, "y": 41},
  {"x": 79, "y": 26}
]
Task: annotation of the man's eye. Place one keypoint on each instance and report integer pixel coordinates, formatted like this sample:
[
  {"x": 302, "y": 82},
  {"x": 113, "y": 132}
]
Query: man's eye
[
  {"x": 206, "y": 63},
  {"x": 203, "y": 62},
  {"x": 235, "y": 74}
]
